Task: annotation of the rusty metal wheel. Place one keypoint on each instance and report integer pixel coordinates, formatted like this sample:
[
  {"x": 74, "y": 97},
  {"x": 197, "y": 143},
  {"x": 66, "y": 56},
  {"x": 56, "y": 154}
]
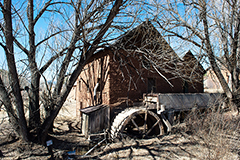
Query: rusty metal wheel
[{"x": 137, "y": 122}]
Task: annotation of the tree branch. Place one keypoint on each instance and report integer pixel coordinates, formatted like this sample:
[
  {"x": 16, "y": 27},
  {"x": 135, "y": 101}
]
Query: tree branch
[{"x": 45, "y": 9}]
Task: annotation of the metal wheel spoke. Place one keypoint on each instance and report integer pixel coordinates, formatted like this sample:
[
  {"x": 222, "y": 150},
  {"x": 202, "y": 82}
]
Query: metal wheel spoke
[
  {"x": 134, "y": 123},
  {"x": 145, "y": 122},
  {"x": 152, "y": 128}
]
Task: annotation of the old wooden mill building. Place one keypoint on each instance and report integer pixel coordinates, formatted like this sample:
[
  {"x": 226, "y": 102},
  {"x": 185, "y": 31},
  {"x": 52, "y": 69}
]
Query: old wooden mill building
[{"x": 139, "y": 62}]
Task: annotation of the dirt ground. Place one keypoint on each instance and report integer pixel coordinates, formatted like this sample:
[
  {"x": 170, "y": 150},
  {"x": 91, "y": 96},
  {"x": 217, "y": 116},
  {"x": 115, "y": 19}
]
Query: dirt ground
[{"x": 67, "y": 138}]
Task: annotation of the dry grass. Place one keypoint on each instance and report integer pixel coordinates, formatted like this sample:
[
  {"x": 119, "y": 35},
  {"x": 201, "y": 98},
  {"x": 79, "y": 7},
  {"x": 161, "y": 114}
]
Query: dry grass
[
  {"x": 203, "y": 135},
  {"x": 217, "y": 131}
]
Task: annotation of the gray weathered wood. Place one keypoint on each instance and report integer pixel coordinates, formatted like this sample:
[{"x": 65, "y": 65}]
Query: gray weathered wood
[
  {"x": 95, "y": 119},
  {"x": 182, "y": 101}
]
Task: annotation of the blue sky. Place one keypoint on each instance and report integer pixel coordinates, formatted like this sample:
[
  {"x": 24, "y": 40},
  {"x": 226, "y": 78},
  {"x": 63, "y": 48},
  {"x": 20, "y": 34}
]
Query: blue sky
[{"x": 41, "y": 26}]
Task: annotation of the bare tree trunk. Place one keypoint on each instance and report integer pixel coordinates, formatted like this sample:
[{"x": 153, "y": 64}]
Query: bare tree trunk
[
  {"x": 84, "y": 58},
  {"x": 69, "y": 45},
  {"x": 34, "y": 112},
  {"x": 13, "y": 76},
  {"x": 212, "y": 59},
  {"x": 9, "y": 108}
]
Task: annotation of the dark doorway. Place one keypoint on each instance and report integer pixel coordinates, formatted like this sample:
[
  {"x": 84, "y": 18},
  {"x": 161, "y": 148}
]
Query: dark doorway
[{"x": 151, "y": 85}]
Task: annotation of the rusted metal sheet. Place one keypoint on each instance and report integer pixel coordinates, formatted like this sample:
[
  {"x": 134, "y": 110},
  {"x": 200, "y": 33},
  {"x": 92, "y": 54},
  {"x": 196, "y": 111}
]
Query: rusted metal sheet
[{"x": 95, "y": 119}]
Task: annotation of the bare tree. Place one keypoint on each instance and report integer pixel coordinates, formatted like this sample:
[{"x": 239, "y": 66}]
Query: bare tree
[
  {"x": 211, "y": 28},
  {"x": 57, "y": 38},
  {"x": 146, "y": 45}
]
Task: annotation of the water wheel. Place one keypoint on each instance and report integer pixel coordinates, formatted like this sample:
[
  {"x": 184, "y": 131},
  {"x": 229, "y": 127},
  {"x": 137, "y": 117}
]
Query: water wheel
[{"x": 137, "y": 122}]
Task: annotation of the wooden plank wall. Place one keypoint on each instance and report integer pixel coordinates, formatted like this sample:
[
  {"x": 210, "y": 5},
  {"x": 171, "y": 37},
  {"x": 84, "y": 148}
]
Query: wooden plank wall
[
  {"x": 96, "y": 121},
  {"x": 185, "y": 101}
]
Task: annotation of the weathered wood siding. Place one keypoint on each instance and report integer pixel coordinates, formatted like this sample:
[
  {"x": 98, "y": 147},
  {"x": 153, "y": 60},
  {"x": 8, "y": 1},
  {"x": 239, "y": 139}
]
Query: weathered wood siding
[
  {"x": 95, "y": 119},
  {"x": 186, "y": 101}
]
